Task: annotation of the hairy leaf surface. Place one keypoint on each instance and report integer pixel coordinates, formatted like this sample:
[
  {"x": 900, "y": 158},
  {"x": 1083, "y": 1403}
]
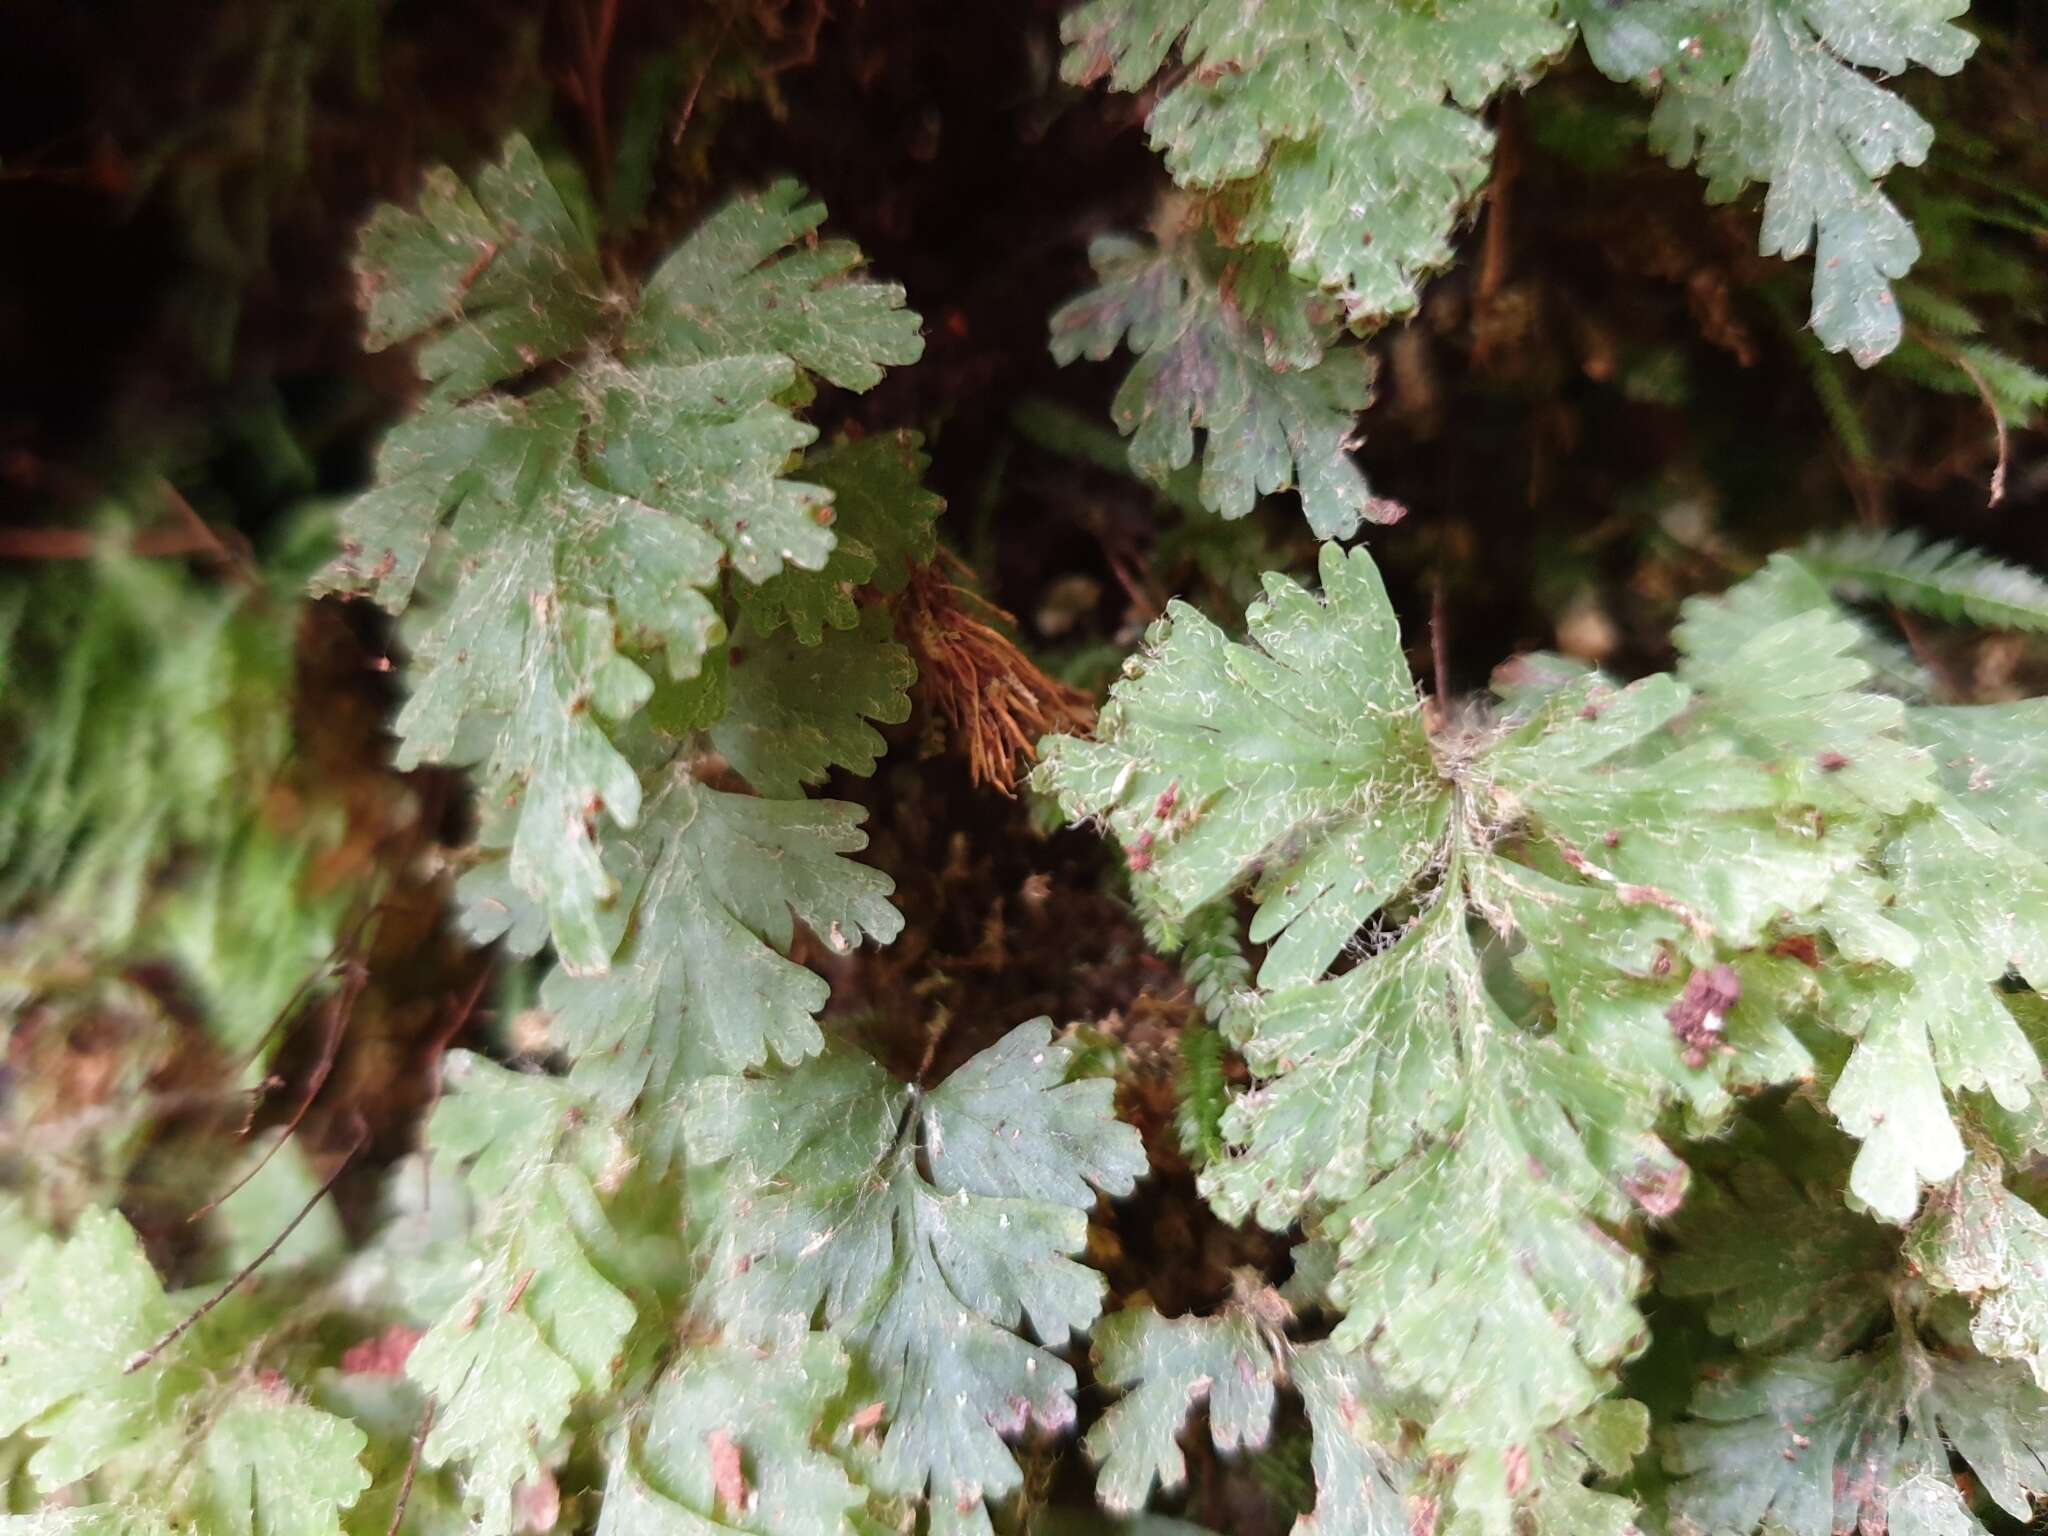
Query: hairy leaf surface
[
  {"x": 539, "y": 1322},
  {"x": 704, "y": 982},
  {"x": 572, "y": 536},
  {"x": 1250, "y": 358},
  {"x": 1775, "y": 91},
  {"x": 1352, "y": 137}
]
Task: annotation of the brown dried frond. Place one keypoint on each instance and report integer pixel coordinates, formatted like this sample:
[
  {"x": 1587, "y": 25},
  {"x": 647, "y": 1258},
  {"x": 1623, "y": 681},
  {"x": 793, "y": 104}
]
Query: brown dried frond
[{"x": 996, "y": 703}]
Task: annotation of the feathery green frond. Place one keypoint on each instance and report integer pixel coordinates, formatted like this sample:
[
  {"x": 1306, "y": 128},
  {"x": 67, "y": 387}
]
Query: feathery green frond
[
  {"x": 1811, "y": 1447},
  {"x": 882, "y": 518},
  {"x": 795, "y": 711},
  {"x": 1980, "y": 1240},
  {"x": 704, "y": 982},
  {"x": 737, "y": 1439},
  {"x": 1939, "y": 579},
  {"x": 1498, "y": 953},
  {"x": 498, "y": 280}
]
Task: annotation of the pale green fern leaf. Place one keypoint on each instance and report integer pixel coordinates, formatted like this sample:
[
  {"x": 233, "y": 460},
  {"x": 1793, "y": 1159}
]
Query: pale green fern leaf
[
  {"x": 755, "y": 279},
  {"x": 704, "y": 981},
  {"x": 1775, "y": 91},
  {"x": 1314, "y": 724},
  {"x": 1252, "y": 359},
  {"x": 925, "y": 1229},
  {"x": 1776, "y": 1257},
  {"x": 733, "y": 1439},
  {"x": 1811, "y": 1446},
  {"x": 1968, "y": 906},
  {"x": 1980, "y": 1240},
  {"x": 1360, "y": 1469},
  {"x": 539, "y": 1323},
  {"x": 1792, "y": 686},
  {"x": 500, "y": 279},
  {"x": 1461, "y": 1145},
  {"x": 275, "y": 1467},
  {"x": 1941, "y": 906},
  {"x": 1559, "y": 1489},
  {"x": 76, "y": 1328},
  {"x": 66, "y": 1384},
  {"x": 882, "y": 519},
  {"x": 1474, "y": 1261},
  {"x": 1169, "y": 1367},
  {"x": 1234, "y": 1363},
  {"x": 797, "y": 710},
  {"x": 1988, "y": 759},
  {"x": 1350, "y": 139},
  {"x": 582, "y": 527}
]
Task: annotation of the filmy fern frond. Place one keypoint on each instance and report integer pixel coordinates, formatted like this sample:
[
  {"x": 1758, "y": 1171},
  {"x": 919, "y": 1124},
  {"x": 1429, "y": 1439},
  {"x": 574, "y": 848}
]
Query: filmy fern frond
[
  {"x": 539, "y": 1323},
  {"x": 924, "y": 1230},
  {"x": 1776, "y": 91},
  {"x": 568, "y": 544},
  {"x": 1350, "y": 141},
  {"x": 1496, "y": 956},
  {"x": 1235, "y": 1363},
  {"x": 171, "y": 1435},
  {"x": 1232, "y": 347}
]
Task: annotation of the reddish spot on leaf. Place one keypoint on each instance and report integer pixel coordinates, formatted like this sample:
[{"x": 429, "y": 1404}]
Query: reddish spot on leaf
[
  {"x": 1658, "y": 1188},
  {"x": 518, "y": 1290},
  {"x": 1518, "y": 1469},
  {"x": 1800, "y": 947},
  {"x": 537, "y": 1506},
  {"x": 728, "y": 1478},
  {"x": 385, "y": 1355},
  {"x": 1696, "y": 1018}
]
